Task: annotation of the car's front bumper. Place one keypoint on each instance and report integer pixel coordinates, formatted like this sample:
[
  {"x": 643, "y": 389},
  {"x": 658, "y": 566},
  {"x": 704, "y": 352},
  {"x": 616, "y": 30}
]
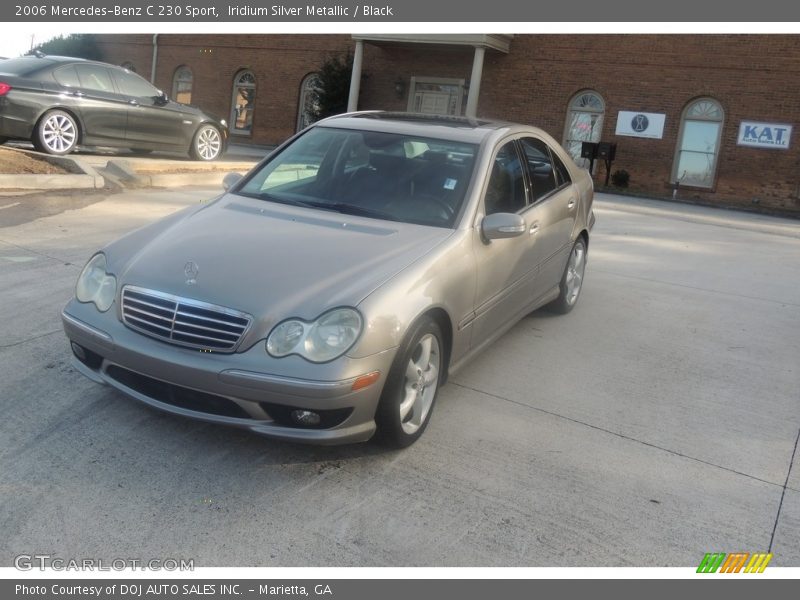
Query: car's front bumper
[{"x": 186, "y": 382}]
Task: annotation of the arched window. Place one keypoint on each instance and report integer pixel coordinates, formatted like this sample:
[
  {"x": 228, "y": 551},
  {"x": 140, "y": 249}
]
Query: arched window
[
  {"x": 307, "y": 107},
  {"x": 129, "y": 66},
  {"x": 243, "y": 102},
  {"x": 698, "y": 143},
  {"x": 182, "y": 85},
  {"x": 584, "y": 123}
]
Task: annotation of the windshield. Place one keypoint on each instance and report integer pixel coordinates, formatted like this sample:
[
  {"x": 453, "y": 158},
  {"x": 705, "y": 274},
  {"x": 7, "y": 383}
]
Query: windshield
[{"x": 380, "y": 175}]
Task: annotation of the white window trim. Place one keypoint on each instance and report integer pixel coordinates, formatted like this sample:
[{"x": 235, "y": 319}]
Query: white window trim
[
  {"x": 412, "y": 90},
  {"x": 234, "y": 88},
  {"x": 301, "y": 105},
  {"x": 573, "y": 109},
  {"x": 679, "y": 143},
  {"x": 175, "y": 80}
]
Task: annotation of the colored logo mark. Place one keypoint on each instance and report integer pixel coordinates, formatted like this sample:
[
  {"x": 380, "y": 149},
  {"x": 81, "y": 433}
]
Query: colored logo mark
[{"x": 734, "y": 563}]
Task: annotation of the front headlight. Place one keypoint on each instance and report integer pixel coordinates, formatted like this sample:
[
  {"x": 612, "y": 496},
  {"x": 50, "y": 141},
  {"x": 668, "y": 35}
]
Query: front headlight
[
  {"x": 328, "y": 337},
  {"x": 96, "y": 285}
]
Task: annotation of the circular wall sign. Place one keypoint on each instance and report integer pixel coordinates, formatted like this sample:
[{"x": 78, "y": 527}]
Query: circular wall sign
[{"x": 639, "y": 123}]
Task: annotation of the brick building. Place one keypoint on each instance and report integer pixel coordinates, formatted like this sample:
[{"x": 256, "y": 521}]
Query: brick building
[{"x": 713, "y": 113}]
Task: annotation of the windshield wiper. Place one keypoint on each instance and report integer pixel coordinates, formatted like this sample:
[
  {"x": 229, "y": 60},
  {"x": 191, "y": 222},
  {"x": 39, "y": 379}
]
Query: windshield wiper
[
  {"x": 353, "y": 209},
  {"x": 289, "y": 201},
  {"x": 340, "y": 207}
]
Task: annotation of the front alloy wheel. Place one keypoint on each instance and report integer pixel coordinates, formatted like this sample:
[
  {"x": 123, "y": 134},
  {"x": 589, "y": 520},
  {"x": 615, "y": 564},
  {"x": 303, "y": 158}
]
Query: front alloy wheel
[
  {"x": 411, "y": 387},
  {"x": 207, "y": 144},
  {"x": 57, "y": 133},
  {"x": 572, "y": 280}
]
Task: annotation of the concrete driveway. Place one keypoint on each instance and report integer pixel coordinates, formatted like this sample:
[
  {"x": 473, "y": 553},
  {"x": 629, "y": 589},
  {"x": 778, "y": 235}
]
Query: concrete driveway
[{"x": 655, "y": 423}]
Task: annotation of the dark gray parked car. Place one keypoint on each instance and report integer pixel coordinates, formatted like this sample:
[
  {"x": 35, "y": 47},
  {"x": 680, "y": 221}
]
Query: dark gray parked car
[
  {"x": 59, "y": 103},
  {"x": 329, "y": 293}
]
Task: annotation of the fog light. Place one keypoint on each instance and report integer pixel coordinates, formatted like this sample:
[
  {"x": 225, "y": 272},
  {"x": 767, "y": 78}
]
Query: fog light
[
  {"x": 305, "y": 417},
  {"x": 78, "y": 351}
]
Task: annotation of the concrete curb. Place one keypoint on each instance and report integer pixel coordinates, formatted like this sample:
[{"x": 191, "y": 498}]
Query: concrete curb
[
  {"x": 126, "y": 172},
  {"x": 80, "y": 176}
]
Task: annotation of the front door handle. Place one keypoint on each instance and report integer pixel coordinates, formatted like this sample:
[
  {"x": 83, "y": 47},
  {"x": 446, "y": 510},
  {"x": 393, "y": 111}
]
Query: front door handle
[
  {"x": 571, "y": 203},
  {"x": 534, "y": 228},
  {"x": 78, "y": 94},
  {"x": 133, "y": 102}
]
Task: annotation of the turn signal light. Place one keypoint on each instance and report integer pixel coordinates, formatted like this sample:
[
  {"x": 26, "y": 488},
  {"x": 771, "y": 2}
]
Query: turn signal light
[
  {"x": 365, "y": 380},
  {"x": 4, "y": 88}
]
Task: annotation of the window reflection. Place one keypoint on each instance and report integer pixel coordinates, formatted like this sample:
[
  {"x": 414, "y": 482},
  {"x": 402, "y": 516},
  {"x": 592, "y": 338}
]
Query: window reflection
[
  {"x": 243, "y": 105},
  {"x": 696, "y": 156},
  {"x": 182, "y": 85},
  {"x": 584, "y": 124}
]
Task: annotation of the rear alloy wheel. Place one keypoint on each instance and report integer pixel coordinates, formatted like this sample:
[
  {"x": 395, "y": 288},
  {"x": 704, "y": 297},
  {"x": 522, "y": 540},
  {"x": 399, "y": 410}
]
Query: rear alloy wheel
[
  {"x": 411, "y": 388},
  {"x": 207, "y": 144},
  {"x": 56, "y": 133},
  {"x": 572, "y": 280}
]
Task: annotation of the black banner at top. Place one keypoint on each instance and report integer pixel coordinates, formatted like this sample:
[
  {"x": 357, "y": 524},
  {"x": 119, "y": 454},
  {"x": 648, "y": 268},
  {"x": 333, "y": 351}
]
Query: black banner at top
[{"x": 398, "y": 11}]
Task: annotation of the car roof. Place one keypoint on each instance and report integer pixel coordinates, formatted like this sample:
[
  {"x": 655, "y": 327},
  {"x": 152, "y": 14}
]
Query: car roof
[{"x": 454, "y": 128}]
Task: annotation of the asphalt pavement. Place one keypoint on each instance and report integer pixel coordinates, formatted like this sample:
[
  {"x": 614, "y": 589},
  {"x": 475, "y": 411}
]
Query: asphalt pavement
[{"x": 656, "y": 422}]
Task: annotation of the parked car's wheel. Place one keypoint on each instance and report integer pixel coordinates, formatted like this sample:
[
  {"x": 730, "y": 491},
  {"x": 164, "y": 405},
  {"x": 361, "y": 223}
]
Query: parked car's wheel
[
  {"x": 207, "y": 143},
  {"x": 572, "y": 279},
  {"x": 412, "y": 386},
  {"x": 57, "y": 133}
]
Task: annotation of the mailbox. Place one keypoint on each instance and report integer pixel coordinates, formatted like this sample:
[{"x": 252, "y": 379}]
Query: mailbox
[
  {"x": 589, "y": 150},
  {"x": 607, "y": 151}
]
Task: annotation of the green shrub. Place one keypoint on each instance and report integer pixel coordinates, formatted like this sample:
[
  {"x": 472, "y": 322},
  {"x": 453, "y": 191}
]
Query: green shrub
[{"x": 620, "y": 178}]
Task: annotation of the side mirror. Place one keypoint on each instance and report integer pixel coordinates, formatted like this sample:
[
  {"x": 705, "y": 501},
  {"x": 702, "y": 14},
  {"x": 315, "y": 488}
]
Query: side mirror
[
  {"x": 230, "y": 180},
  {"x": 502, "y": 225},
  {"x": 162, "y": 98}
]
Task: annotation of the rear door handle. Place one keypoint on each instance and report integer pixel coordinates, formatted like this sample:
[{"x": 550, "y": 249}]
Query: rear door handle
[
  {"x": 133, "y": 103},
  {"x": 534, "y": 228},
  {"x": 78, "y": 94},
  {"x": 571, "y": 203}
]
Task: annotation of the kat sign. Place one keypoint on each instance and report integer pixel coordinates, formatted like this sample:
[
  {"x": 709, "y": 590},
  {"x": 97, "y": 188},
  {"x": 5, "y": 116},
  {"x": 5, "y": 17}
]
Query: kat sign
[{"x": 764, "y": 135}]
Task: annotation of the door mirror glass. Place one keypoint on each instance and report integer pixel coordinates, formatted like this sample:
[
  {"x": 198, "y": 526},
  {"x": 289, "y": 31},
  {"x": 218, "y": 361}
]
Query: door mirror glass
[
  {"x": 230, "y": 180},
  {"x": 502, "y": 225}
]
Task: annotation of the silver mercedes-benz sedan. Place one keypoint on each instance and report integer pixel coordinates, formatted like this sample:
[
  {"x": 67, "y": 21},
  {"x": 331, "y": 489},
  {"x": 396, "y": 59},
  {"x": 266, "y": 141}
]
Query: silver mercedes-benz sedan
[{"x": 330, "y": 292}]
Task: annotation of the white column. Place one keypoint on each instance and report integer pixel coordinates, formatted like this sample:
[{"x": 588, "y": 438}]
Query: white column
[
  {"x": 475, "y": 82},
  {"x": 355, "y": 78}
]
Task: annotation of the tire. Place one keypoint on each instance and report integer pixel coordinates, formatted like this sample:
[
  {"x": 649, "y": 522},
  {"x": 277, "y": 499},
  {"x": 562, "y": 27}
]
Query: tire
[
  {"x": 412, "y": 387},
  {"x": 572, "y": 279},
  {"x": 56, "y": 133},
  {"x": 207, "y": 144}
]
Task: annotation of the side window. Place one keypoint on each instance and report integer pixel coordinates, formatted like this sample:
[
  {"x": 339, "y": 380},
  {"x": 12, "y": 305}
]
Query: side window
[
  {"x": 506, "y": 189},
  {"x": 561, "y": 170},
  {"x": 67, "y": 77},
  {"x": 133, "y": 85},
  {"x": 540, "y": 168},
  {"x": 94, "y": 77}
]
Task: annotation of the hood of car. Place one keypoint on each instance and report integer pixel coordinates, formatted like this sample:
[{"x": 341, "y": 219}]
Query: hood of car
[
  {"x": 194, "y": 110},
  {"x": 274, "y": 261}
]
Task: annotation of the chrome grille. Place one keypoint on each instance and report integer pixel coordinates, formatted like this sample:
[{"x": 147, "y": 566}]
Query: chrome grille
[{"x": 183, "y": 321}]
